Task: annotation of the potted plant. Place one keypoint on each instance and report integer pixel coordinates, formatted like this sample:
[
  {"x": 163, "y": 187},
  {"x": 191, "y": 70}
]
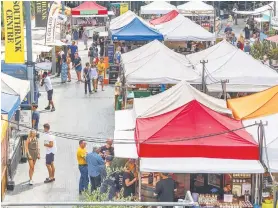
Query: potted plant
[{"x": 273, "y": 55}]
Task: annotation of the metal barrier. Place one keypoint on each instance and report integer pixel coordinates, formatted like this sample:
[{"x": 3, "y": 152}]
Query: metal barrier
[{"x": 78, "y": 204}]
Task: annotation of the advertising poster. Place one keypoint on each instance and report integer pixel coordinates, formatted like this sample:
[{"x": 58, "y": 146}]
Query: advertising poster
[
  {"x": 14, "y": 32},
  {"x": 123, "y": 8},
  {"x": 41, "y": 11},
  {"x": 110, "y": 51}
]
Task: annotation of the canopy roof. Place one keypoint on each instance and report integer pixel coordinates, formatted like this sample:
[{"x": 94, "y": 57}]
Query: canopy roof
[
  {"x": 253, "y": 106},
  {"x": 89, "y": 8},
  {"x": 257, "y": 11},
  {"x": 14, "y": 86},
  {"x": 157, "y": 7},
  {"x": 125, "y": 19},
  {"x": 136, "y": 31},
  {"x": 271, "y": 137},
  {"x": 165, "y": 18},
  {"x": 9, "y": 104},
  {"x": 193, "y": 130},
  {"x": 155, "y": 63},
  {"x": 192, "y": 8},
  {"x": 273, "y": 38},
  {"x": 177, "y": 29},
  {"x": 225, "y": 61}
]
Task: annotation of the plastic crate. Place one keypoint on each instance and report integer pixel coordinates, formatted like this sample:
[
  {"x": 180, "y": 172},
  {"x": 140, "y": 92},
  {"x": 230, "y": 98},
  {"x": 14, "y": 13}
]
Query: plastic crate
[{"x": 140, "y": 94}]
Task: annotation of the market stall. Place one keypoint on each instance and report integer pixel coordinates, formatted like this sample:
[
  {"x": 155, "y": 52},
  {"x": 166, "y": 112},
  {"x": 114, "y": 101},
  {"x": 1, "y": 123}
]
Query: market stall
[
  {"x": 157, "y": 7},
  {"x": 227, "y": 62},
  {"x": 165, "y": 18},
  {"x": 256, "y": 105}
]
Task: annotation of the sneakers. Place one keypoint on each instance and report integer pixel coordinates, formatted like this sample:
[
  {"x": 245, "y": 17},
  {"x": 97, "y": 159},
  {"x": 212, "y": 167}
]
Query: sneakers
[
  {"x": 31, "y": 182},
  {"x": 47, "y": 108},
  {"x": 48, "y": 180},
  {"x": 52, "y": 109}
]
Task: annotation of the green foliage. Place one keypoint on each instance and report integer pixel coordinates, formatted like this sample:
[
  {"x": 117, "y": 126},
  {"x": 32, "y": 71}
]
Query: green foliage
[
  {"x": 260, "y": 49},
  {"x": 273, "y": 55}
]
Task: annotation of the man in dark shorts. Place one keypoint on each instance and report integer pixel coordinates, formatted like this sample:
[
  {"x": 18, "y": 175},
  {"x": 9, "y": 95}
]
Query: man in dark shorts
[
  {"x": 35, "y": 116},
  {"x": 51, "y": 149},
  {"x": 46, "y": 81}
]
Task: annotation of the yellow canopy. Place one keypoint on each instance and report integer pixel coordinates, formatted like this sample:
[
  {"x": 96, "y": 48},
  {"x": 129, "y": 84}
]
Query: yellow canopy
[{"x": 259, "y": 104}]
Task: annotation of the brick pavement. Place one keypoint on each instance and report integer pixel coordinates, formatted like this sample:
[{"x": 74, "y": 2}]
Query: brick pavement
[{"x": 76, "y": 113}]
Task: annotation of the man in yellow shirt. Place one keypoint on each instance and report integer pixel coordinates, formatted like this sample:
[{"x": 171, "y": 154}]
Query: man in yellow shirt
[
  {"x": 101, "y": 71},
  {"x": 82, "y": 165}
]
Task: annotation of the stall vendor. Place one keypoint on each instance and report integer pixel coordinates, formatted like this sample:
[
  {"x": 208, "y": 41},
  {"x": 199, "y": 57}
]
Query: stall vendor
[{"x": 132, "y": 167}]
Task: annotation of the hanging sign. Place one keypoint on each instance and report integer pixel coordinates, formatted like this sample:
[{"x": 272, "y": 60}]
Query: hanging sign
[
  {"x": 41, "y": 11},
  {"x": 52, "y": 27},
  {"x": 14, "y": 31}
]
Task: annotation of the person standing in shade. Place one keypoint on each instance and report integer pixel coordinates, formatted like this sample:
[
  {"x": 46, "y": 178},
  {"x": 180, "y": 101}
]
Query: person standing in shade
[
  {"x": 75, "y": 36},
  {"x": 46, "y": 81},
  {"x": 58, "y": 64},
  {"x": 93, "y": 52},
  {"x": 85, "y": 38},
  {"x": 51, "y": 149},
  {"x": 128, "y": 182},
  {"x": 165, "y": 189},
  {"x": 101, "y": 71},
  {"x": 77, "y": 65},
  {"x": 73, "y": 49},
  {"x": 69, "y": 63},
  {"x": 64, "y": 69},
  {"x": 35, "y": 116},
  {"x": 95, "y": 165},
  {"x": 87, "y": 80},
  {"x": 82, "y": 165},
  {"x": 101, "y": 45}
]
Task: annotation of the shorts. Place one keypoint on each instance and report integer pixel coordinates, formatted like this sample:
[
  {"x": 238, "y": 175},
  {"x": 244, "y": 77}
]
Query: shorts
[
  {"x": 49, "y": 158},
  {"x": 49, "y": 94},
  {"x": 100, "y": 78},
  {"x": 95, "y": 77}
]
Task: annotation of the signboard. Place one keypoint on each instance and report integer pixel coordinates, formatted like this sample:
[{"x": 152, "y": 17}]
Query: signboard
[
  {"x": 25, "y": 119},
  {"x": 14, "y": 32},
  {"x": 52, "y": 27},
  {"x": 123, "y": 8},
  {"x": 41, "y": 11},
  {"x": 110, "y": 52}
]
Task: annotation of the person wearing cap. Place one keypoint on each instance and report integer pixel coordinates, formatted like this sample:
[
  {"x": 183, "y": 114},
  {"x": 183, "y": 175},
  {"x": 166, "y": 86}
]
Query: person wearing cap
[
  {"x": 101, "y": 71},
  {"x": 51, "y": 150},
  {"x": 95, "y": 165},
  {"x": 82, "y": 166},
  {"x": 46, "y": 81},
  {"x": 35, "y": 116},
  {"x": 165, "y": 189},
  {"x": 106, "y": 147}
]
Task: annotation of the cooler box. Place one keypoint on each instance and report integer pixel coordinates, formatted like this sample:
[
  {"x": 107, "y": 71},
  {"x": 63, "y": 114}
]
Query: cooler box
[{"x": 141, "y": 94}]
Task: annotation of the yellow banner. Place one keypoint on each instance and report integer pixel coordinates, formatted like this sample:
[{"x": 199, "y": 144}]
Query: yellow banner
[
  {"x": 14, "y": 31},
  {"x": 123, "y": 8}
]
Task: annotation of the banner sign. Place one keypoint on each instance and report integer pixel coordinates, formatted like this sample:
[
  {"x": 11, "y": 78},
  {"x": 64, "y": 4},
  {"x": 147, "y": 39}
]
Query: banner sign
[
  {"x": 110, "y": 52},
  {"x": 14, "y": 31},
  {"x": 53, "y": 27},
  {"x": 41, "y": 11},
  {"x": 123, "y": 8},
  {"x": 119, "y": 8}
]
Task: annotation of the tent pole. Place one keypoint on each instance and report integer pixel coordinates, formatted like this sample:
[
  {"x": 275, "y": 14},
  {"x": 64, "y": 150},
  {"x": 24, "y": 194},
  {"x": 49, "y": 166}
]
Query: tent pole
[
  {"x": 256, "y": 190},
  {"x": 203, "y": 76},
  {"x": 139, "y": 180}
]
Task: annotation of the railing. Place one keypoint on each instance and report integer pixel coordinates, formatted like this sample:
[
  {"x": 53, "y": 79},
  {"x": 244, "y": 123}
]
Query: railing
[{"x": 78, "y": 204}]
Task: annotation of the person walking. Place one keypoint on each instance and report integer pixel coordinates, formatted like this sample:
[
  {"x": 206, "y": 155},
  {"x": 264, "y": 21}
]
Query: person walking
[
  {"x": 83, "y": 167},
  {"x": 73, "y": 49},
  {"x": 35, "y": 116},
  {"x": 33, "y": 153},
  {"x": 64, "y": 69},
  {"x": 95, "y": 165},
  {"x": 51, "y": 149},
  {"x": 86, "y": 76},
  {"x": 93, "y": 52},
  {"x": 69, "y": 63},
  {"x": 101, "y": 45},
  {"x": 75, "y": 36},
  {"x": 101, "y": 71},
  {"x": 94, "y": 76},
  {"x": 77, "y": 65},
  {"x": 165, "y": 189},
  {"x": 46, "y": 81},
  {"x": 58, "y": 63},
  {"x": 85, "y": 38}
]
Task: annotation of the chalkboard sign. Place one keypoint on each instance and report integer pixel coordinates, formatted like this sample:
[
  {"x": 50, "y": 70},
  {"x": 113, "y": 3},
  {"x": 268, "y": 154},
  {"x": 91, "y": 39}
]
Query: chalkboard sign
[
  {"x": 110, "y": 51},
  {"x": 114, "y": 67}
]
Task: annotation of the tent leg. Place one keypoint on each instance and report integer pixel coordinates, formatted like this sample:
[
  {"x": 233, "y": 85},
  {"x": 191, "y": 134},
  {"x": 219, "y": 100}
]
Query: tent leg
[{"x": 256, "y": 189}]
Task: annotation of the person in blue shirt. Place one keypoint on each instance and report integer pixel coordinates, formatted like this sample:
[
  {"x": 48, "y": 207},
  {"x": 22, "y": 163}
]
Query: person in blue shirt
[
  {"x": 95, "y": 165},
  {"x": 35, "y": 116},
  {"x": 73, "y": 49}
]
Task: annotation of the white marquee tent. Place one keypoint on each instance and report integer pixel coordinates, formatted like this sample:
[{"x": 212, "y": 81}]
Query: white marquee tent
[
  {"x": 177, "y": 29},
  {"x": 155, "y": 63},
  {"x": 193, "y": 8},
  {"x": 225, "y": 61},
  {"x": 125, "y": 19},
  {"x": 158, "y": 7},
  {"x": 14, "y": 86},
  {"x": 164, "y": 102},
  {"x": 271, "y": 136}
]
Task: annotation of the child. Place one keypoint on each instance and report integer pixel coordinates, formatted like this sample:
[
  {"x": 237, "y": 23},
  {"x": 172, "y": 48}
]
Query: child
[{"x": 86, "y": 75}]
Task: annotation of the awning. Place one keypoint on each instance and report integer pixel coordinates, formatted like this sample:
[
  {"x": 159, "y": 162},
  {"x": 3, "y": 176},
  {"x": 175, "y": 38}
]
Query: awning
[
  {"x": 124, "y": 120},
  {"x": 124, "y": 144},
  {"x": 89, "y": 8},
  {"x": 196, "y": 8},
  {"x": 273, "y": 38},
  {"x": 9, "y": 104},
  {"x": 199, "y": 165},
  {"x": 256, "y": 105},
  {"x": 157, "y": 7},
  {"x": 165, "y": 18},
  {"x": 257, "y": 11},
  {"x": 193, "y": 130}
]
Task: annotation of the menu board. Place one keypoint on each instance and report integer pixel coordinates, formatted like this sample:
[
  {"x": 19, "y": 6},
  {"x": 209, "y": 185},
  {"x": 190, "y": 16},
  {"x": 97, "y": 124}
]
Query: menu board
[
  {"x": 110, "y": 52},
  {"x": 214, "y": 180}
]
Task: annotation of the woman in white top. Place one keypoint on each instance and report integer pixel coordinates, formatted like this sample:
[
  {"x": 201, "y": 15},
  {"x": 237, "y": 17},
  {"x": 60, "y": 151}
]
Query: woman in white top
[{"x": 94, "y": 75}]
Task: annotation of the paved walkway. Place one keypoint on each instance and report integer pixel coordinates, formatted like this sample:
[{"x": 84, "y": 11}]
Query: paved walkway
[{"x": 76, "y": 113}]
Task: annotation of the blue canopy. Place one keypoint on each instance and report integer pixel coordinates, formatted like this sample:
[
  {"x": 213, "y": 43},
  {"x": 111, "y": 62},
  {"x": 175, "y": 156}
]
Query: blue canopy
[
  {"x": 9, "y": 104},
  {"x": 136, "y": 31},
  {"x": 15, "y": 70}
]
